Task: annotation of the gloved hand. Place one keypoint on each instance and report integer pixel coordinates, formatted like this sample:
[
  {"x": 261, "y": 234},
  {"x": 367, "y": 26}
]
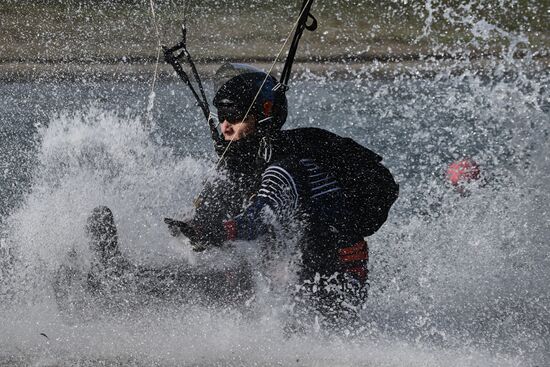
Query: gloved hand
[{"x": 200, "y": 238}]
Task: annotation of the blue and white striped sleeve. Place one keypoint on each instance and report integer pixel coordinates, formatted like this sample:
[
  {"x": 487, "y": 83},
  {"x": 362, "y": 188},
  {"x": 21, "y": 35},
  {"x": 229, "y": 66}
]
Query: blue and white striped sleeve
[
  {"x": 278, "y": 192},
  {"x": 278, "y": 188}
]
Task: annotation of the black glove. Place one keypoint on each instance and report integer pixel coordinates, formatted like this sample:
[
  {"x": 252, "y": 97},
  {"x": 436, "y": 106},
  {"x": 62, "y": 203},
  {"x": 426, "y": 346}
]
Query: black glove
[
  {"x": 200, "y": 238},
  {"x": 177, "y": 227}
]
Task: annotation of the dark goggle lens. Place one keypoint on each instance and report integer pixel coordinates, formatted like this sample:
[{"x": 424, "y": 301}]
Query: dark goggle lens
[{"x": 230, "y": 115}]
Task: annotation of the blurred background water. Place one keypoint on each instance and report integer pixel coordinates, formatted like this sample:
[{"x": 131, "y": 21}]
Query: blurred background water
[{"x": 455, "y": 281}]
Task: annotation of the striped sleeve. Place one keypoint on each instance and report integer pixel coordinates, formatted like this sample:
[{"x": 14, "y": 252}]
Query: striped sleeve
[
  {"x": 278, "y": 192},
  {"x": 279, "y": 189}
]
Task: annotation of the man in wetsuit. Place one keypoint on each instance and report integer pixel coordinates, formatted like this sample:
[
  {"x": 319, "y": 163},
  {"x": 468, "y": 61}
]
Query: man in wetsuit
[{"x": 285, "y": 176}]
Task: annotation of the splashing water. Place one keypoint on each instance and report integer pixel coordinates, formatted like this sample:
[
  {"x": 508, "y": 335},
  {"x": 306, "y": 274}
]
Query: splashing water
[{"x": 455, "y": 280}]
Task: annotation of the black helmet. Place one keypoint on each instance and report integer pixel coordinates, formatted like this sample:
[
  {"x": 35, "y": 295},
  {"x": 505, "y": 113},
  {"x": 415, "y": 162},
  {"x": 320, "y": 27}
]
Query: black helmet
[{"x": 240, "y": 87}]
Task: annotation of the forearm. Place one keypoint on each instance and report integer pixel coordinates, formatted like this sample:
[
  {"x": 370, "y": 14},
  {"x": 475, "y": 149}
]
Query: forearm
[
  {"x": 250, "y": 224},
  {"x": 276, "y": 199}
]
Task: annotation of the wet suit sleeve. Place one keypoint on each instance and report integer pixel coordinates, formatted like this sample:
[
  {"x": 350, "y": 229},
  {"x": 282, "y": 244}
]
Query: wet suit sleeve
[{"x": 277, "y": 195}]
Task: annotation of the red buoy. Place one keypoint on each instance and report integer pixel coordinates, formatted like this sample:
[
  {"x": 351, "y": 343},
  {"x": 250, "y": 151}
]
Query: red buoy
[{"x": 463, "y": 171}]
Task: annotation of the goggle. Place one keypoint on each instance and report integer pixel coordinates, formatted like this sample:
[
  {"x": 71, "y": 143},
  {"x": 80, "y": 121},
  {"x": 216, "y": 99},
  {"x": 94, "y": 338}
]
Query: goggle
[{"x": 231, "y": 115}]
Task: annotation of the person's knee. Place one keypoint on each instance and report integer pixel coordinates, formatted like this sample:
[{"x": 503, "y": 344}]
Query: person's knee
[
  {"x": 101, "y": 222},
  {"x": 102, "y": 232}
]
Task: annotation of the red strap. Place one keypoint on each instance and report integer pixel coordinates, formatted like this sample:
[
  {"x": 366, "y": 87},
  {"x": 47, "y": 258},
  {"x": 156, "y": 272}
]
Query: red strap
[
  {"x": 354, "y": 254},
  {"x": 352, "y": 249},
  {"x": 355, "y": 257},
  {"x": 230, "y": 227},
  {"x": 357, "y": 252}
]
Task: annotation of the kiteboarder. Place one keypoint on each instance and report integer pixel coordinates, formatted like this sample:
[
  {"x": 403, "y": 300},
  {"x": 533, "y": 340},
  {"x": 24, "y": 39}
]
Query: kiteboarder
[{"x": 334, "y": 188}]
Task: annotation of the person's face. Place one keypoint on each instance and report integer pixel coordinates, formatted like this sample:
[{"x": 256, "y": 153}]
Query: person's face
[{"x": 235, "y": 130}]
